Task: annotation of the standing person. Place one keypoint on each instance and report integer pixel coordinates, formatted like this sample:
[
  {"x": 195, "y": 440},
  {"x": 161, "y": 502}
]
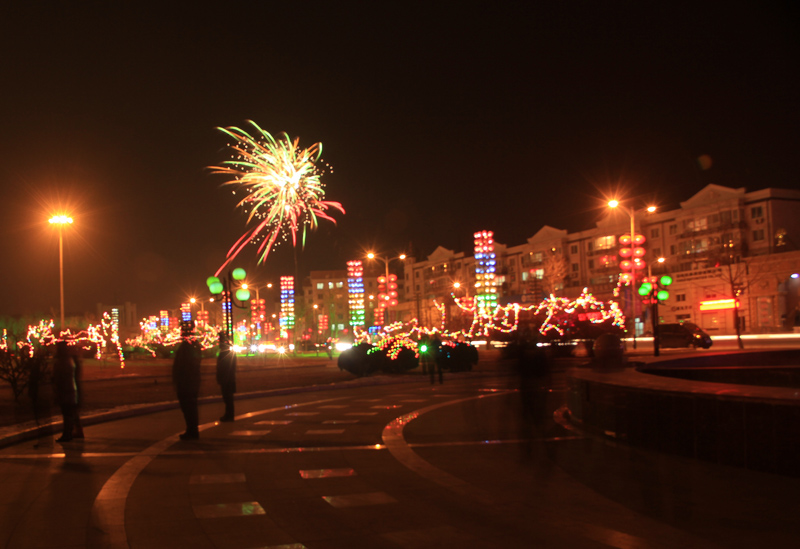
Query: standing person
[
  {"x": 438, "y": 357},
  {"x": 66, "y": 376},
  {"x": 186, "y": 378},
  {"x": 226, "y": 375},
  {"x": 533, "y": 374},
  {"x": 424, "y": 347}
]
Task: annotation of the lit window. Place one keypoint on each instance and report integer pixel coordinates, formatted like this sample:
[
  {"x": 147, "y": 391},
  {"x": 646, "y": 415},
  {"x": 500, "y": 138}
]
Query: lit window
[{"x": 605, "y": 242}]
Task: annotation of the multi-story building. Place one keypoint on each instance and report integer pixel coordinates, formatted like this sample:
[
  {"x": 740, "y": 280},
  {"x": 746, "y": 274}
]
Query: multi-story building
[
  {"x": 328, "y": 290},
  {"x": 731, "y": 253},
  {"x": 726, "y": 249}
]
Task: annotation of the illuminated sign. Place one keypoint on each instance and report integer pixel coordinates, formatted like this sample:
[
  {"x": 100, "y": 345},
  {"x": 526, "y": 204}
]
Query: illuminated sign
[{"x": 718, "y": 305}]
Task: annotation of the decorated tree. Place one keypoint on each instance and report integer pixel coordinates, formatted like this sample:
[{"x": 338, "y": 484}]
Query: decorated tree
[{"x": 582, "y": 318}]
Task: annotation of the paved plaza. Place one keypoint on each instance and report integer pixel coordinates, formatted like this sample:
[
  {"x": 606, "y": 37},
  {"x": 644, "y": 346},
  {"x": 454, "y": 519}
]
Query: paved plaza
[{"x": 386, "y": 465}]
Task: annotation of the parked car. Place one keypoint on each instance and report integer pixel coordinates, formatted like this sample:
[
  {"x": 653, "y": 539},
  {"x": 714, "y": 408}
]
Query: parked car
[{"x": 685, "y": 334}]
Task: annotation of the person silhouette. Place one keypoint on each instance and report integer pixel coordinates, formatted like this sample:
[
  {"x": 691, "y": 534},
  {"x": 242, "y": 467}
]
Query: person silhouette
[
  {"x": 66, "y": 385},
  {"x": 226, "y": 375},
  {"x": 186, "y": 378}
]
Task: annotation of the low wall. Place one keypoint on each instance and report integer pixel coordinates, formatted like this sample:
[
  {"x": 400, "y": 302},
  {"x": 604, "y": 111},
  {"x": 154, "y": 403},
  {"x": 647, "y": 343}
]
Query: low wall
[
  {"x": 778, "y": 368},
  {"x": 740, "y": 425}
]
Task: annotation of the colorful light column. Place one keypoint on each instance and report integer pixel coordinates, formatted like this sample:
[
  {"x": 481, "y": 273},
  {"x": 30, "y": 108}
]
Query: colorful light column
[
  {"x": 164, "y": 321},
  {"x": 355, "y": 288},
  {"x": 186, "y": 312},
  {"x": 287, "y": 305},
  {"x": 380, "y": 311},
  {"x": 485, "y": 281}
]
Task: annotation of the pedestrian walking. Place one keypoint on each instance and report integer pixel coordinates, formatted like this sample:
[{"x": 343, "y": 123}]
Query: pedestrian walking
[
  {"x": 226, "y": 375},
  {"x": 186, "y": 378},
  {"x": 66, "y": 385}
]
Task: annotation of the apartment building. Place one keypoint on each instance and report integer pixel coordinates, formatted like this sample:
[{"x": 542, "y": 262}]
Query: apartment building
[
  {"x": 726, "y": 249},
  {"x": 730, "y": 253}
]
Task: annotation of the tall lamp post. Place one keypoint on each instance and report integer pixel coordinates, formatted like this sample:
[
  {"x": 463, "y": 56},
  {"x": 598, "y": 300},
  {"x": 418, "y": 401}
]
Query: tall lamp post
[
  {"x": 631, "y": 213},
  {"x": 224, "y": 286},
  {"x": 654, "y": 297},
  {"x": 59, "y": 221},
  {"x": 386, "y": 261}
]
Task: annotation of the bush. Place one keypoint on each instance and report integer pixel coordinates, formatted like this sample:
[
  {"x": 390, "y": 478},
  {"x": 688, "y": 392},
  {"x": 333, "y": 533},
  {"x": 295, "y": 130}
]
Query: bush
[
  {"x": 457, "y": 357},
  {"x": 21, "y": 370},
  {"x": 365, "y": 359},
  {"x": 355, "y": 360}
]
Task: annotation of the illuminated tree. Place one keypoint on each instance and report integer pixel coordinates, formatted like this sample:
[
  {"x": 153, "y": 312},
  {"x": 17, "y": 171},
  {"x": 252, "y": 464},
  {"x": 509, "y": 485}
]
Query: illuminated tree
[{"x": 555, "y": 271}]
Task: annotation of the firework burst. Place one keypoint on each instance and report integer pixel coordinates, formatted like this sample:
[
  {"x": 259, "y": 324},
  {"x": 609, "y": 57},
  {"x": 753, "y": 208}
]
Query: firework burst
[{"x": 284, "y": 193}]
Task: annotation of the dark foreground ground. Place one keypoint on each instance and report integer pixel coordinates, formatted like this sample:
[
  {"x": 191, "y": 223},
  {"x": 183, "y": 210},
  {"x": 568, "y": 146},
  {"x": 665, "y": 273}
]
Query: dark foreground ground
[{"x": 383, "y": 462}]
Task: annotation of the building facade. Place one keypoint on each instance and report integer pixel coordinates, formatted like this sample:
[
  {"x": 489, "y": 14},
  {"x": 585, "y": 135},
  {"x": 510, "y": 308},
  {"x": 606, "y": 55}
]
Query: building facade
[{"x": 730, "y": 253}]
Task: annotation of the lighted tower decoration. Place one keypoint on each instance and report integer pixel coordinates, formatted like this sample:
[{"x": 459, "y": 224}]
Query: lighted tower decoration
[
  {"x": 186, "y": 312},
  {"x": 287, "y": 305},
  {"x": 632, "y": 255},
  {"x": 485, "y": 269},
  {"x": 257, "y": 314},
  {"x": 355, "y": 287},
  {"x": 380, "y": 310}
]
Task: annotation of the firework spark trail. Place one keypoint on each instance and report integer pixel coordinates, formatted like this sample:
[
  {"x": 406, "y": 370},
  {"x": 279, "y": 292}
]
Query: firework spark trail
[{"x": 282, "y": 182}]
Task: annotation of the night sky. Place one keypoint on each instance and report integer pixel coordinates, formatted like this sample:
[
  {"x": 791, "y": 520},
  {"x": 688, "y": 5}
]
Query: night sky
[{"x": 437, "y": 121}]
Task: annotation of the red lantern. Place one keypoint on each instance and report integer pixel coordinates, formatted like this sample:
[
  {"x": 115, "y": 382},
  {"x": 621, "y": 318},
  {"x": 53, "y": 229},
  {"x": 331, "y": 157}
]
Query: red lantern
[
  {"x": 639, "y": 239},
  {"x": 625, "y": 240},
  {"x": 637, "y": 252},
  {"x": 626, "y": 252}
]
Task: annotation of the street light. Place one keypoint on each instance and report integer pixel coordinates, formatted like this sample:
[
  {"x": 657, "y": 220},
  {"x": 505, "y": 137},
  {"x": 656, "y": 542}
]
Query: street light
[
  {"x": 224, "y": 287},
  {"x": 459, "y": 285},
  {"x": 631, "y": 213},
  {"x": 60, "y": 221}
]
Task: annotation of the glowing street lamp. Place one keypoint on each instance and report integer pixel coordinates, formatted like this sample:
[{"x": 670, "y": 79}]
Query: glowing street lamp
[
  {"x": 59, "y": 221},
  {"x": 459, "y": 285}
]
